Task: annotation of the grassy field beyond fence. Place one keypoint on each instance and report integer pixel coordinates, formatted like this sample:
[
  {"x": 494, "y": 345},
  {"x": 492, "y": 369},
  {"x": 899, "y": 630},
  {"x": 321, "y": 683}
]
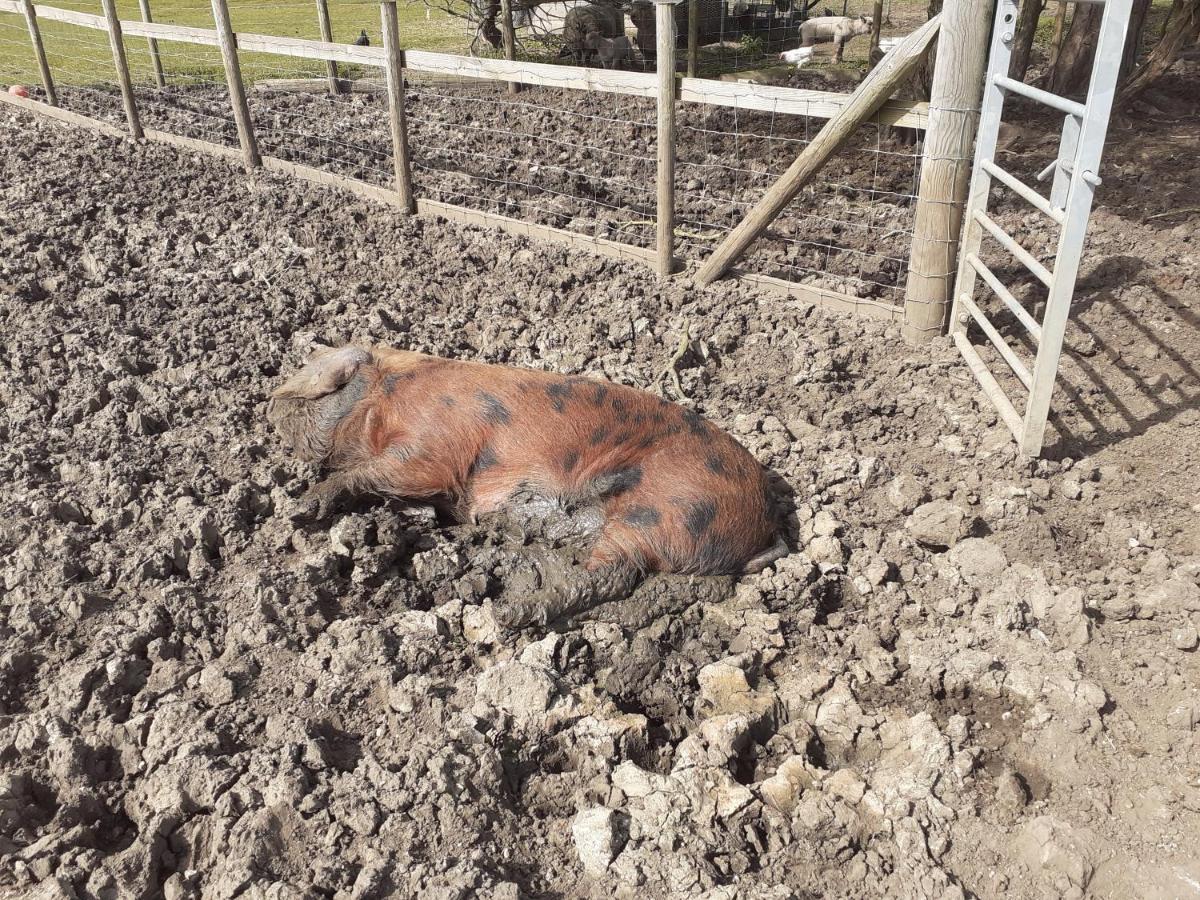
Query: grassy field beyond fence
[{"x": 82, "y": 55}]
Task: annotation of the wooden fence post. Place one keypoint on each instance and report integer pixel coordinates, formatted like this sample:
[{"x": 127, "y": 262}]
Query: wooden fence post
[
  {"x": 237, "y": 91},
  {"x": 693, "y": 50},
  {"x": 946, "y": 166},
  {"x": 665, "y": 32},
  {"x": 155, "y": 60},
  {"x": 395, "y": 87},
  {"x": 35, "y": 35},
  {"x": 327, "y": 36},
  {"x": 508, "y": 35},
  {"x": 873, "y": 55},
  {"x": 122, "y": 65}
]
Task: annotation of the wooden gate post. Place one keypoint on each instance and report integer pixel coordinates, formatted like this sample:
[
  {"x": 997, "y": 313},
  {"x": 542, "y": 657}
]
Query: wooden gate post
[
  {"x": 237, "y": 91},
  {"x": 508, "y": 36},
  {"x": 35, "y": 35},
  {"x": 122, "y": 65},
  {"x": 395, "y": 87},
  {"x": 327, "y": 36},
  {"x": 693, "y": 50},
  {"x": 152, "y": 43},
  {"x": 873, "y": 55},
  {"x": 946, "y": 166},
  {"x": 665, "y": 34}
]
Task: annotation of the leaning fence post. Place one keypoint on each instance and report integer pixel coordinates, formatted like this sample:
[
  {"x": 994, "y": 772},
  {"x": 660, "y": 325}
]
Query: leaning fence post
[
  {"x": 946, "y": 166},
  {"x": 509, "y": 35},
  {"x": 395, "y": 87},
  {"x": 35, "y": 35},
  {"x": 665, "y": 32},
  {"x": 118, "y": 52},
  {"x": 155, "y": 60},
  {"x": 693, "y": 48},
  {"x": 327, "y": 37},
  {"x": 237, "y": 91}
]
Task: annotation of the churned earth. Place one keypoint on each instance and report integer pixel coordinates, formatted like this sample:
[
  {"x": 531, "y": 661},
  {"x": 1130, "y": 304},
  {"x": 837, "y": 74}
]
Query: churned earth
[{"x": 973, "y": 676}]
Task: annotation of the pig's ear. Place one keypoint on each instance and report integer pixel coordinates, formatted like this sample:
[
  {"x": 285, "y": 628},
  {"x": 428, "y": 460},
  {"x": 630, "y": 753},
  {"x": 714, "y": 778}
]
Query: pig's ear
[{"x": 325, "y": 373}]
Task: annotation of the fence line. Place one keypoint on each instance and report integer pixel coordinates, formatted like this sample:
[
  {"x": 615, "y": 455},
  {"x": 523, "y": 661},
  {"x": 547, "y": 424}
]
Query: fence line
[{"x": 809, "y": 255}]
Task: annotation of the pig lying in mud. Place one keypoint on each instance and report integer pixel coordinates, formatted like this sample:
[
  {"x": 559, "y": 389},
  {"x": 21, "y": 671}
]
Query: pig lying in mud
[
  {"x": 652, "y": 485},
  {"x": 838, "y": 29}
]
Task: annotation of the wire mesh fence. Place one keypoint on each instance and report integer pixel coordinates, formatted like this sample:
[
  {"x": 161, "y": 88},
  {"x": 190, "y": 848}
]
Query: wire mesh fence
[{"x": 579, "y": 160}]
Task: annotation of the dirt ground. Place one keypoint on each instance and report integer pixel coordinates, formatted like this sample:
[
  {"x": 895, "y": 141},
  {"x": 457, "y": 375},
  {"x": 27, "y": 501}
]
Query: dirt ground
[
  {"x": 973, "y": 676},
  {"x": 585, "y": 162}
]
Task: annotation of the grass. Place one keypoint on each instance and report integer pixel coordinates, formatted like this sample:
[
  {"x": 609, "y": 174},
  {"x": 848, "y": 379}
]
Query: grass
[{"x": 82, "y": 55}]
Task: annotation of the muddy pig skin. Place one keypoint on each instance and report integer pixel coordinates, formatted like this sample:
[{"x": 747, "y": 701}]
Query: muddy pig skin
[{"x": 673, "y": 493}]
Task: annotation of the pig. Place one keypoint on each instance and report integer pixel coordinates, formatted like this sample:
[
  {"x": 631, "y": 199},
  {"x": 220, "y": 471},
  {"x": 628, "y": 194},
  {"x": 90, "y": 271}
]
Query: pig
[
  {"x": 611, "y": 52},
  {"x": 653, "y": 486},
  {"x": 838, "y": 29}
]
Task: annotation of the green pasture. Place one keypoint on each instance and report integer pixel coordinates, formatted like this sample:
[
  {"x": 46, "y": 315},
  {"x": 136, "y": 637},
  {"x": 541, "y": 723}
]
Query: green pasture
[{"x": 82, "y": 55}]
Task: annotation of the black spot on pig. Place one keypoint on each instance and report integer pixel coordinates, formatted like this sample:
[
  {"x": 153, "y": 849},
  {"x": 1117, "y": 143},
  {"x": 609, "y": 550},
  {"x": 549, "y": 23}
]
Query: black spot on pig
[
  {"x": 699, "y": 517},
  {"x": 642, "y": 516},
  {"x": 619, "y": 481},
  {"x": 598, "y": 436},
  {"x": 715, "y": 464},
  {"x": 694, "y": 422},
  {"x": 599, "y": 392},
  {"x": 559, "y": 393},
  {"x": 494, "y": 410},
  {"x": 570, "y": 460},
  {"x": 484, "y": 461}
]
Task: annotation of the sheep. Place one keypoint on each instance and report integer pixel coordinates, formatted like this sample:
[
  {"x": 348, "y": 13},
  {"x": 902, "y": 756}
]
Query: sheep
[
  {"x": 838, "y": 29},
  {"x": 612, "y": 52}
]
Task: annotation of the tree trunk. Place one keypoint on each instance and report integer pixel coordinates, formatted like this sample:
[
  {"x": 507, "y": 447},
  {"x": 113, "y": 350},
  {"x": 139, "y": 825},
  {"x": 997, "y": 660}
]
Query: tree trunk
[
  {"x": 1183, "y": 30},
  {"x": 1022, "y": 48},
  {"x": 1060, "y": 21},
  {"x": 1074, "y": 63},
  {"x": 1133, "y": 42}
]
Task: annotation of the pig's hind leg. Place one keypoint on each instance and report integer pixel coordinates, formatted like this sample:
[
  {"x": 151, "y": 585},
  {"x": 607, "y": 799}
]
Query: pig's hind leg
[{"x": 609, "y": 574}]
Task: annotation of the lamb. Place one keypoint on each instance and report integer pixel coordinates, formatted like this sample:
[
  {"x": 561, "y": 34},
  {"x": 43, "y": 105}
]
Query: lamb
[
  {"x": 838, "y": 29},
  {"x": 798, "y": 57},
  {"x": 612, "y": 52},
  {"x": 655, "y": 486}
]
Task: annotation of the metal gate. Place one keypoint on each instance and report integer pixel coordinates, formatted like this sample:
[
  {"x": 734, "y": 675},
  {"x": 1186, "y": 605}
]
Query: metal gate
[{"x": 1076, "y": 176}]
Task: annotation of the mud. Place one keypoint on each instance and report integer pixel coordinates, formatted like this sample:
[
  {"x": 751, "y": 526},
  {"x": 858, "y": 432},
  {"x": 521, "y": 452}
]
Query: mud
[
  {"x": 973, "y": 676},
  {"x": 585, "y": 162}
]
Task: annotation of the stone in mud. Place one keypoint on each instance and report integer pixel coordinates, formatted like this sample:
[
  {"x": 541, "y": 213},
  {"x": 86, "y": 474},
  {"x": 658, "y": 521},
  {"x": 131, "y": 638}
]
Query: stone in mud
[
  {"x": 1185, "y": 637},
  {"x": 847, "y": 784},
  {"x": 724, "y": 690},
  {"x": 1012, "y": 796},
  {"x": 1175, "y": 594},
  {"x": 977, "y": 560},
  {"x": 600, "y": 835},
  {"x": 1053, "y": 848},
  {"x": 827, "y": 552},
  {"x": 479, "y": 625},
  {"x": 1184, "y": 717},
  {"x": 906, "y": 493},
  {"x": 937, "y": 524},
  {"x": 783, "y": 789},
  {"x": 522, "y": 691}
]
